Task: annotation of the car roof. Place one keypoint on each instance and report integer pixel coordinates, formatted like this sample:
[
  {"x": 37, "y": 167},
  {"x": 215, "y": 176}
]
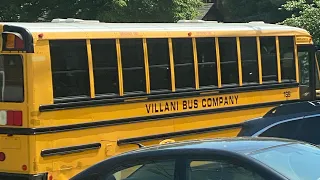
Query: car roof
[
  {"x": 280, "y": 114},
  {"x": 243, "y": 145},
  {"x": 239, "y": 146}
]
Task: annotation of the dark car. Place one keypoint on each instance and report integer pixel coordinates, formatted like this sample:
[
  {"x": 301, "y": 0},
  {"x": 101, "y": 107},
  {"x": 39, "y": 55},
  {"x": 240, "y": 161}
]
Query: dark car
[
  {"x": 297, "y": 121},
  {"x": 213, "y": 159}
]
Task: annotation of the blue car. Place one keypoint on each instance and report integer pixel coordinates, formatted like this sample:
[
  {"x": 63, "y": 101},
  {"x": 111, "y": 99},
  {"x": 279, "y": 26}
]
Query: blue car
[
  {"x": 213, "y": 159},
  {"x": 297, "y": 121}
]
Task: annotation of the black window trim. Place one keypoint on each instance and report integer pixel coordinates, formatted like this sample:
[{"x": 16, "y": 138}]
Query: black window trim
[{"x": 77, "y": 102}]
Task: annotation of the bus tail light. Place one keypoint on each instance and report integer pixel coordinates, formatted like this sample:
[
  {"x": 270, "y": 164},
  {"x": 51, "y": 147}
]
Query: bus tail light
[
  {"x": 12, "y": 41},
  {"x": 2, "y": 156},
  {"x": 11, "y": 118}
]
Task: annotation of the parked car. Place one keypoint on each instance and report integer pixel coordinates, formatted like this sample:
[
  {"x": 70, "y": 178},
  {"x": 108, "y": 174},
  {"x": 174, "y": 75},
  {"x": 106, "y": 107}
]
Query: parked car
[
  {"x": 216, "y": 159},
  {"x": 297, "y": 121}
]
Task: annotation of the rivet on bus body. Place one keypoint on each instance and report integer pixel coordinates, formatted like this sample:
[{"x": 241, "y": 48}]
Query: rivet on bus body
[
  {"x": 190, "y": 34},
  {"x": 24, "y": 167}
]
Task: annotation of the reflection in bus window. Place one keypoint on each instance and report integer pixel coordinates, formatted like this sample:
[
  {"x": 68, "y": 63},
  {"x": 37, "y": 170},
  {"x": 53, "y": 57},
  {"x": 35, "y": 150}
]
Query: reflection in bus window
[
  {"x": 304, "y": 57},
  {"x": 229, "y": 61},
  {"x": 206, "y": 52},
  {"x": 105, "y": 66},
  {"x": 69, "y": 64},
  {"x": 183, "y": 62},
  {"x": 288, "y": 67},
  {"x": 159, "y": 64},
  {"x": 11, "y": 78},
  {"x": 268, "y": 59},
  {"x": 132, "y": 57},
  {"x": 304, "y": 67},
  {"x": 317, "y": 72},
  {"x": 249, "y": 60}
]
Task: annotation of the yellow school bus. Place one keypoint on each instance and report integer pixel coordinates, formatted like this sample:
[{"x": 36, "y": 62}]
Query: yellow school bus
[{"x": 75, "y": 92}]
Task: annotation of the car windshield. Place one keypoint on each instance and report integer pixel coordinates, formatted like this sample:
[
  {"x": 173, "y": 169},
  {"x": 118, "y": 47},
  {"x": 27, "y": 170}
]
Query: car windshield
[{"x": 295, "y": 161}]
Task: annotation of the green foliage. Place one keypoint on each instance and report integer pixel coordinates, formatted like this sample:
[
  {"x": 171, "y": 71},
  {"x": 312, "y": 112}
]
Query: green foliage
[
  {"x": 252, "y": 10},
  {"x": 305, "y": 14},
  {"x": 103, "y": 10}
]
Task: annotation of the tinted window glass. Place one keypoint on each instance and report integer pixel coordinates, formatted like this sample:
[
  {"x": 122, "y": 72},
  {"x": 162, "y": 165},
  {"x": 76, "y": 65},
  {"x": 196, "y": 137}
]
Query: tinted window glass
[
  {"x": 69, "y": 65},
  {"x": 288, "y": 66},
  {"x": 11, "y": 78},
  {"x": 105, "y": 67},
  {"x": 269, "y": 59},
  {"x": 204, "y": 170},
  {"x": 159, "y": 64},
  {"x": 157, "y": 170},
  {"x": 207, "y": 67},
  {"x": 132, "y": 57},
  {"x": 284, "y": 130},
  {"x": 183, "y": 63},
  {"x": 249, "y": 60},
  {"x": 309, "y": 130},
  {"x": 229, "y": 61}
]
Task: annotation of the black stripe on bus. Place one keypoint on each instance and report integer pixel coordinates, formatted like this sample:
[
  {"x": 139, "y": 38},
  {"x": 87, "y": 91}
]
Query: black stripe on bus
[
  {"x": 92, "y": 102},
  {"x": 70, "y": 149},
  {"x": 48, "y": 130},
  {"x": 177, "y": 134}
]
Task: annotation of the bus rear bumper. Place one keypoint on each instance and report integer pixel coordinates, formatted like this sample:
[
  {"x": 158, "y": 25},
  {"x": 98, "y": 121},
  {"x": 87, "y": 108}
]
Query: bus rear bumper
[{"x": 12, "y": 176}]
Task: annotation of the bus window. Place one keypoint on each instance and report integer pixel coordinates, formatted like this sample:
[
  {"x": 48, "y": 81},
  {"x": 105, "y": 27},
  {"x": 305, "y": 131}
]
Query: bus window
[
  {"x": 206, "y": 52},
  {"x": 269, "y": 59},
  {"x": 317, "y": 74},
  {"x": 159, "y": 64},
  {"x": 288, "y": 67},
  {"x": 249, "y": 60},
  {"x": 183, "y": 63},
  {"x": 229, "y": 61},
  {"x": 132, "y": 57},
  {"x": 11, "y": 78},
  {"x": 105, "y": 66},
  {"x": 69, "y": 65},
  {"x": 307, "y": 86}
]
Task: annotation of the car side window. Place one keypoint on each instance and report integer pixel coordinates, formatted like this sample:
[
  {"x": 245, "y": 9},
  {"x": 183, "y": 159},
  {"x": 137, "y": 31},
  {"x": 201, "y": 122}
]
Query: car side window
[
  {"x": 219, "y": 169},
  {"x": 151, "y": 170},
  {"x": 309, "y": 130},
  {"x": 284, "y": 130}
]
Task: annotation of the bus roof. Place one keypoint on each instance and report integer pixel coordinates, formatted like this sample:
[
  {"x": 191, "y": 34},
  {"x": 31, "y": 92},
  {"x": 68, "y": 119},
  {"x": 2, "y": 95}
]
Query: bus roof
[{"x": 62, "y": 29}]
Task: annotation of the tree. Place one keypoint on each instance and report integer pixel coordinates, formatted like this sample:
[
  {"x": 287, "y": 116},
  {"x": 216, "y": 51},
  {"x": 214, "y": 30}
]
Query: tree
[
  {"x": 252, "y": 10},
  {"x": 305, "y": 14},
  {"x": 103, "y": 10}
]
